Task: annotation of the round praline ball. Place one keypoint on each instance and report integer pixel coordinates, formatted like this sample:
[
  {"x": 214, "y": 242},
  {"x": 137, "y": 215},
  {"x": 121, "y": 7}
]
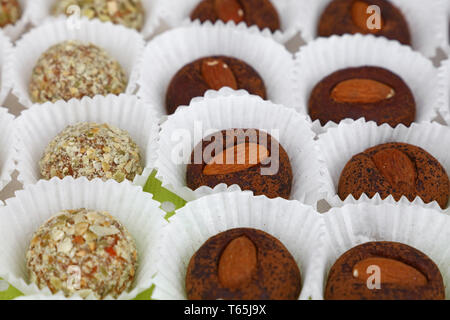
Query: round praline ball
[
  {"x": 129, "y": 13},
  {"x": 73, "y": 69},
  {"x": 82, "y": 252},
  {"x": 92, "y": 150},
  {"x": 10, "y": 12}
]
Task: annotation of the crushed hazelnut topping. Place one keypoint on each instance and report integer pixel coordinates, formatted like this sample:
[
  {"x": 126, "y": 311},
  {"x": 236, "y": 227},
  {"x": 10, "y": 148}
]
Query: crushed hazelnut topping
[
  {"x": 129, "y": 13},
  {"x": 106, "y": 264},
  {"x": 72, "y": 69},
  {"x": 92, "y": 150},
  {"x": 10, "y": 12}
]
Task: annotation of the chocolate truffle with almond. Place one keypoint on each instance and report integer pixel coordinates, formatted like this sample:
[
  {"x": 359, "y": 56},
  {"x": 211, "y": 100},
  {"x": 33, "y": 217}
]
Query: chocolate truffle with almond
[
  {"x": 215, "y": 72},
  {"x": 253, "y": 12},
  {"x": 243, "y": 264},
  {"x": 397, "y": 169},
  {"x": 82, "y": 252},
  {"x": 373, "y": 93},
  {"x": 249, "y": 158},
  {"x": 384, "y": 271},
  {"x": 360, "y": 16}
]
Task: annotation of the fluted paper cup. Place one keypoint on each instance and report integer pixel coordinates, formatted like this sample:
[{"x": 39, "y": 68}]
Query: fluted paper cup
[
  {"x": 153, "y": 14},
  {"x": 421, "y": 228},
  {"x": 444, "y": 91},
  {"x": 6, "y": 48},
  {"x": 126, "y": 49},
  {"x": 7, "y": 142},
  {"x": 338, "y": 145},
  {"x": 297, "y": 226},
  {"x": 25, "y": 213},
  {"x": 227, "y": 109},
  {"x": 426, "y": 21},
  {"x": 37, "y": 126},
  {"x": 177, "y": 13},
  {"x": 165, "y": 55},
  {"x": 324, "y": 56}
]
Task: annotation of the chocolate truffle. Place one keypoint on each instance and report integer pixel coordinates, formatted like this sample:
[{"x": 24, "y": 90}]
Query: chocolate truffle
[
  {"x": 253, "y": 12},
  {"x": 82, "y": 252},
  {"x": 350, "y": 16},
  {"x": 195, "y": 78},
  {"x": 10, "y": 12},
  {"x": 129, "y": 13},
  {"x": 249, "y": 158},
  {"x": 243, "y": 264},
  {"x": 373, "y": 93},
  {"x": 72, "y": 69},
  {"x": 92, "y": 150},
  {"x": 384, "y": 271},
  {"x": 396, "y": 169}
]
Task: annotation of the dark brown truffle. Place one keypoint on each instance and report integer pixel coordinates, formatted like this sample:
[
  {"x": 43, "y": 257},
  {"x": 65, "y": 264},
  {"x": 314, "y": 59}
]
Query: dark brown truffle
[
  {"x": 396, "y": 169},
  {"x": 247, "y": 157},
  {"x": 215, "y": 72},
  {"x": 350, "y": 16},
  {"x": 243, "y": 264},
  {"x": 404, "y": 274},
  {"x": 373, "y": 93},
  {"x": 253, "y": 12}
]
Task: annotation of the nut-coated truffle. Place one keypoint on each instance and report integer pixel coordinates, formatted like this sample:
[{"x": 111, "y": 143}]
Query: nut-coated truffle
[
  {"x": 129, "y": 13},
  {"x": 10, "y": 12},
  {"x": 92, "y": 150},
  {"x": 72, "y": 69},
  {"x": 82, "y": 252}
]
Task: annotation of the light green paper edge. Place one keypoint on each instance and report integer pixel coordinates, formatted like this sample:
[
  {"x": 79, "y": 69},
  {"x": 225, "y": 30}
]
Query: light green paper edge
[{"x": 160, "y": 194}]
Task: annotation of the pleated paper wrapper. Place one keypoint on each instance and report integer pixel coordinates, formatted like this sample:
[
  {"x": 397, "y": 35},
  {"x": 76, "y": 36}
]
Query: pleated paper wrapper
[
  {"x": 324, "y": 56},
  {"x": 297, "y": 226},
  {"x": 34, "y": 205}
]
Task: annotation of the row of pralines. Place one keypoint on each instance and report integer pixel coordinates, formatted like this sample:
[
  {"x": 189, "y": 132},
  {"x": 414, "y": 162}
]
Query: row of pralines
[
  {"x": 339, "y": 17},
  {"x": 249, "y": 158},
  {"x": 240, "y": 263},
  {"x": 73, "y": 69}
]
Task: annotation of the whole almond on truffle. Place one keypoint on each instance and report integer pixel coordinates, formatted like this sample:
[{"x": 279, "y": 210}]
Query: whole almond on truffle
[
  {"x": 361, "y": 91},
  {"x": 217, "y": 74},
  {"x": 237, "y": 263},
  {"x": 229, "y": 10}
]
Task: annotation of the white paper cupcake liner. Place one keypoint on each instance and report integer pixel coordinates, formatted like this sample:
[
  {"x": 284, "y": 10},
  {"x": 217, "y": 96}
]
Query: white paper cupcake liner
[
  {"x": 14, "y": 31},
  {"x": 297, "y": 226},
  {"x": 37, "y": 126},
  {"x": 8, "y": 140},
  {"x": 426, "y": 21},
  {"x": 422, "y": 228},
  {"x": 23, "y": 215},
  {"x": 227, "y": 109},
  {"x": 126, "y": 48},
  {"x": 153, "y": 14},
  {"x": 6, "y": 48},
  {"x": 177, "y": 13},
  {"x": 165, "y": 55},
  {"x": 338, "y": 145},
  {"x": 324, "y": 56},
  {"x": 444, "y": 91}
]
